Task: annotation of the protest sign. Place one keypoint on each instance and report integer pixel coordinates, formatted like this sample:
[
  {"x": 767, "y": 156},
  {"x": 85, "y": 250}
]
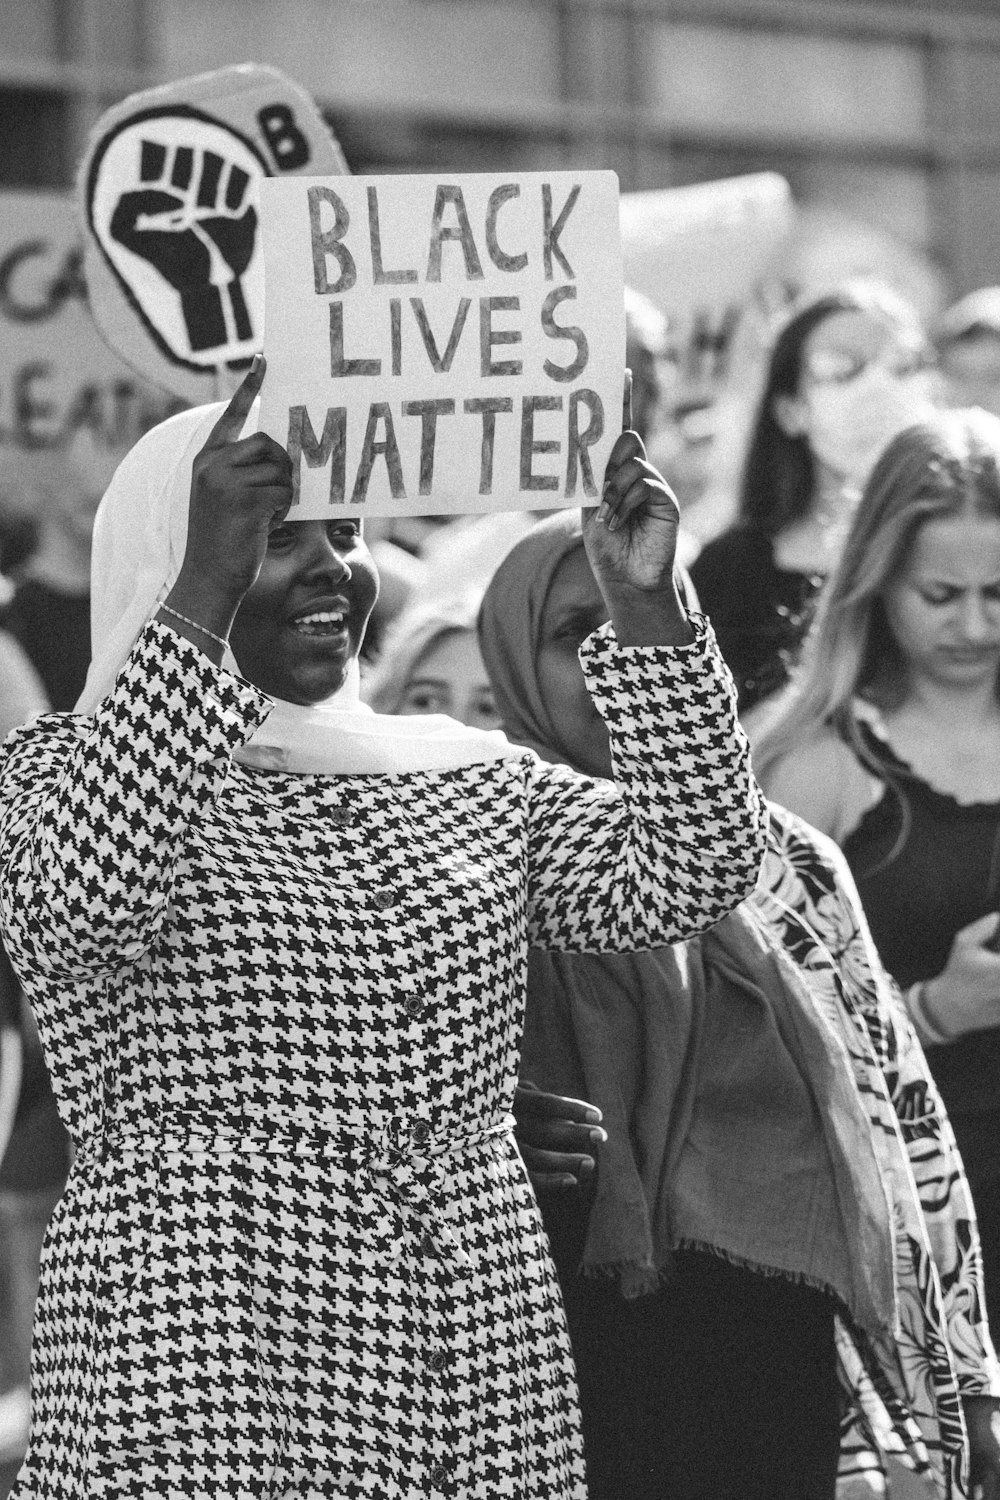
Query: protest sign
[
  {"x": 57, "y": 376},
  {"x": 443, "y": 344},
  {"x": 168, "y": 197},
  {"x": 701, "y": 254}
]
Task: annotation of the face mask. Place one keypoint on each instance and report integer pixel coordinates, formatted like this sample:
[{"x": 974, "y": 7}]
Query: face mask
[{"x": 852, "y": 421}]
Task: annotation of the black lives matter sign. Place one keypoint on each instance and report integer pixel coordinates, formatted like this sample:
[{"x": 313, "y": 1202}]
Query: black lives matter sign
[{"x": 443, "y": 344}]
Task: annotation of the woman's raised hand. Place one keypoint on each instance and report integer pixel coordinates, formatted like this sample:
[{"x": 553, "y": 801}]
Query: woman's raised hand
[
  {"x": 631, "y": 541},
  {"x": 239, "y": 488}
]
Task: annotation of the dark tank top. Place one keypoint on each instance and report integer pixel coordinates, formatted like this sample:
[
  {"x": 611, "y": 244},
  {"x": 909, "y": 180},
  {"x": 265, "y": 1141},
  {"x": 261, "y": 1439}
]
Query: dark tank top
[{"x": 945, "y": 875}]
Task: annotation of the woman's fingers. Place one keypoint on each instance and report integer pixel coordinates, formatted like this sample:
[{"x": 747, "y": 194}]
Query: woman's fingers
[
  {"x": 257, "y": 448},
  {"x": 556, "y": 1136},
  {"x": 266, "y": 475},
  {"x": 628, "y": 445},
  {"x": 561, "y": 1135},
  {"x": 618, "y": 484},
  {"x": 634, "y": 484},
  {"x": 230, "y": 424},
  {"x": 530, "y": 1100},
  {"x": 549, "y": 1169},
  {"x": 643, "y": 492}
]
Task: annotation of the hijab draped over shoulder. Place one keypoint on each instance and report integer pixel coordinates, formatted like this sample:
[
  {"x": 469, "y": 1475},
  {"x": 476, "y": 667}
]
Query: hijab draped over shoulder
[
  {"x": 139, "y": 540},
  {"x": 510, "y": 627},
  {"x": 686, "y": 1049}
]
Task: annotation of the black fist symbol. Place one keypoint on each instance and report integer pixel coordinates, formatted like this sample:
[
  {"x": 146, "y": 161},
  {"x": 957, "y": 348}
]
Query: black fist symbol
[{"x": 192, "y": 222}]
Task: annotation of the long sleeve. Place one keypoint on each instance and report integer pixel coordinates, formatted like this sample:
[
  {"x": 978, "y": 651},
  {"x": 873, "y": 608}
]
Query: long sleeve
[
  {"x": 675, "y": 841},
  {"x": 92, "y": 809}
]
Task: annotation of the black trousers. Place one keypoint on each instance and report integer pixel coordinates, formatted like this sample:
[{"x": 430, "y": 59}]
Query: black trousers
[{"x": 722, "y": 1386}]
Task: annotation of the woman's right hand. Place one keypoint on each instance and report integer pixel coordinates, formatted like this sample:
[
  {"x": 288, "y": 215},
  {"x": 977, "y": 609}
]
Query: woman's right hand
[
  {"x": 239, "y": 488},
  {"x": 965, "y": 996}
]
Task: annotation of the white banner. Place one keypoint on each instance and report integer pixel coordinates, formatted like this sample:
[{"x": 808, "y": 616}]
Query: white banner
[
  {"x": 443, "y": 344},
  {"x": 57, "y": 376}
]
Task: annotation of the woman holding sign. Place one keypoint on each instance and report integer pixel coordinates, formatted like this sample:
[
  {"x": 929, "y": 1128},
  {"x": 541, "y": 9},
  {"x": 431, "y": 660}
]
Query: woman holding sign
[
  {"x": 722, "y": 1352},
  {"x": 276, "y": 944}
]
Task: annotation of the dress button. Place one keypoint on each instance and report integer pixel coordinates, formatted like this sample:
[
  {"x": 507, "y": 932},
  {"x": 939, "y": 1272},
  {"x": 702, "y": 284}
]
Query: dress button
[
  {"x": 420, "y": 1133},
  {"x": 439, "y": 1474},
  {"x": 382, "y": 900},
  {"x": 413, "y": 1005},
  {"x": 341, "y": 816},
  {"x": 438, "y": 1361}
]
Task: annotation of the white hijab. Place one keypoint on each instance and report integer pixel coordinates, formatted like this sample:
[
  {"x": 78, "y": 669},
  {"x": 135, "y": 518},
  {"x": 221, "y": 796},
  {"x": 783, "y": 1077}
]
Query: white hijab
[{"x": 139, "y": 540}]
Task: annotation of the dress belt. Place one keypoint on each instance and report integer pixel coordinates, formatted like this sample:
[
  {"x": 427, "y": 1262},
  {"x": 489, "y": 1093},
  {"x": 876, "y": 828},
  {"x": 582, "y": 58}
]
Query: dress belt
[{"x": 403, "y": 1158}]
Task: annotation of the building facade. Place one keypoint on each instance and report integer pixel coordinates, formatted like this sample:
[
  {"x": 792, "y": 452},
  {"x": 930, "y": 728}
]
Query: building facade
[{"x": 885, "y": 110}]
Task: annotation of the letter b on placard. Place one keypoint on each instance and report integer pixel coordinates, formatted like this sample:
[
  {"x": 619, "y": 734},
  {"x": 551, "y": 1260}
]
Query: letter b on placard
[
  {"x": 329, "y": 242},
  {"x": 287, "y": 145}
]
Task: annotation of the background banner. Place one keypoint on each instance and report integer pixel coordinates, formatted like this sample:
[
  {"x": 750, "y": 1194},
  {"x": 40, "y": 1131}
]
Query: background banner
[
  {"x": 711, "y": 259},
  {"x": 58, "y": 379}
]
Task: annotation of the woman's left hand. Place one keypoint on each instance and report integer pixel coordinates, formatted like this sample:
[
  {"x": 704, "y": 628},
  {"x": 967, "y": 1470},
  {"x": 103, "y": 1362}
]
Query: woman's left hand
[
  {"x": 631, "y": 541},
  {"x": 982, "y": 1419}
]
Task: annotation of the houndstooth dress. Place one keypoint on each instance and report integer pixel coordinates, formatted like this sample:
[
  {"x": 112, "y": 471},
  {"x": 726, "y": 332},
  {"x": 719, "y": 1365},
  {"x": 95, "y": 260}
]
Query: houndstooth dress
[{"x": 298, "y": 1254}]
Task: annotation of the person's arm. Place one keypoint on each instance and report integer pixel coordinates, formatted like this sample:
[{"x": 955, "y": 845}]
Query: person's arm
[
  {"x": 676, "y": 840},
  {"x": 965, "y": 996},
  {"x": 94, "y": 812}
]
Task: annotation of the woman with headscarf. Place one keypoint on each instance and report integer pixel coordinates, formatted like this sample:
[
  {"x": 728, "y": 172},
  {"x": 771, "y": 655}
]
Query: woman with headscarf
[
  {"x": 430, "y": 663},
  {"x": 768, "y": 1288},
  {"x": 275, "y": 946}
]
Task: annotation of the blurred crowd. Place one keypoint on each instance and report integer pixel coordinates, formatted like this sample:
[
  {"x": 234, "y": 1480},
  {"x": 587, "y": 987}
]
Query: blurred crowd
[{"x": 854, "y": 587}]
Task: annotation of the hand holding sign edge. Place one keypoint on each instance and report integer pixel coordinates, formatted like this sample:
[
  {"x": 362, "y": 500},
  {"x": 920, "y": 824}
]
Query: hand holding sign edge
[{"x": 631, "y": 542}]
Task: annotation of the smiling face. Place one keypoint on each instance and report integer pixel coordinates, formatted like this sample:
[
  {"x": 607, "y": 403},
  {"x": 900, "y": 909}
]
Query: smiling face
[
  {"x": 944, "y": 608},
  {"x": 302, "y": 623},
  {"x": 450, "y": 678},
  {"x": 573, "y": 608}
]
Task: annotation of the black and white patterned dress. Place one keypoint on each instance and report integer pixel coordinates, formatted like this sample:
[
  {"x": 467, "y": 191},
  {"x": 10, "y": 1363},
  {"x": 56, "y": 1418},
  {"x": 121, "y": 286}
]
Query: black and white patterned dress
[{"x": 298, "y": 1254}]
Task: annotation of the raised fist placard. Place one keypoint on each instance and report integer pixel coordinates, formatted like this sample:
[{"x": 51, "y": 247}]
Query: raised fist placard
[
  {"x": 183, "y": 240},
  {"x": 169, "y": 190}
]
